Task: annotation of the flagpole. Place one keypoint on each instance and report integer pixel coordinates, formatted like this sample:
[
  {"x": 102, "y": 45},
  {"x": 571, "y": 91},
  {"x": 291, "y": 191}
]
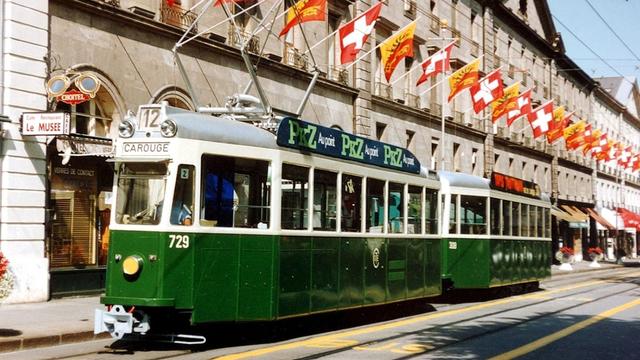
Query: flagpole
[
  {"x": 443, "y": 25},
  {"x": 377, "y": 46},
  {"x": 321, "y": 41},
  {"x": 419, "y": 65},
  {"x": 180, "y": 43}
]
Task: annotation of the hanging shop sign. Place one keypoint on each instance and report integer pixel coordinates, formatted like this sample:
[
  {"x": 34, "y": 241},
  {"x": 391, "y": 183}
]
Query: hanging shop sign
[
  {"x": 301, "y": 135},
  {"x": 73, "y": 97},
  {"x": 85, "y": 87},
  {"x": 48, "y": 123}
]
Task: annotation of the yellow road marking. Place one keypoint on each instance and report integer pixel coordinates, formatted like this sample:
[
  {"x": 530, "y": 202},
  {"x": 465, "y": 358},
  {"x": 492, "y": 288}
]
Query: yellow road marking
[
  {"x": 375, "y": 348},
  {"x": 395, "y": 324},
  {"x": 525, "y": 349}
]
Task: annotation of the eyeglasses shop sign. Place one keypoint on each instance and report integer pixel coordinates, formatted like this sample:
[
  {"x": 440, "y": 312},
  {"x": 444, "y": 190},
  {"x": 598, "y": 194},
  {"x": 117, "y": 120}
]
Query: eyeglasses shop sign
[{"x": 45, "y": 123}]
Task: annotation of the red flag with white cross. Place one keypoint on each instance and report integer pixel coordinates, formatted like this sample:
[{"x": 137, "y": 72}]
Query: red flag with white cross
[
  {"x": 625, "y": 157},
  {"x": 354, "y": 34},
  {"x": 540, "y": 118},
  {"x": 523, "y": 107},
  {"x": 487, "y": 90},
  {"x": 436, "y": 63}
]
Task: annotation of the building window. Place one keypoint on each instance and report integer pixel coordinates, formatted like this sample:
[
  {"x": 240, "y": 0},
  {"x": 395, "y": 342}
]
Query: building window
[{"x": 380, "y": 128}]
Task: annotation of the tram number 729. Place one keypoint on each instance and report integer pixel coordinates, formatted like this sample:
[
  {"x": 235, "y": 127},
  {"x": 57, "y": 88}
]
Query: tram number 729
[{"x": 178, "y": 241}]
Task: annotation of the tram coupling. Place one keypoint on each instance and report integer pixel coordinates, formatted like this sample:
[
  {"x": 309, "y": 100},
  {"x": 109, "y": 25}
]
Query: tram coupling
[{"x": 118, "y": 322}]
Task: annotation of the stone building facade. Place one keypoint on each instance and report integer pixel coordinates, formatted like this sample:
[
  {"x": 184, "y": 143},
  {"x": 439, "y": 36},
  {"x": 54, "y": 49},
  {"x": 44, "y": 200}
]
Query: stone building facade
[{"x": 127, "y": 45}]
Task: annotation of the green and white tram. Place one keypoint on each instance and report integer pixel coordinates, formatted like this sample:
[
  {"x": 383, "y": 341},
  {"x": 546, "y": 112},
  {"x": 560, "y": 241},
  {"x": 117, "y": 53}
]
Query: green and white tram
[
  {"x": 495, "y": 232},
  {"x": 217, "y": 220}
]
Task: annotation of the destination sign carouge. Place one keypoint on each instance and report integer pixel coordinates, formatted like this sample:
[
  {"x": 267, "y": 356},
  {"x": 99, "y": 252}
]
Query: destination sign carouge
[
  {"x": 139, "y": 148},
  {"x": 298, "y": 134}
]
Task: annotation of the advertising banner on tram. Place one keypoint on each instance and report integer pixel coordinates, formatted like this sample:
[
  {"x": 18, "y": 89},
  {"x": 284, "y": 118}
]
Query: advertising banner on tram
[{"x": 301, "y": 135}]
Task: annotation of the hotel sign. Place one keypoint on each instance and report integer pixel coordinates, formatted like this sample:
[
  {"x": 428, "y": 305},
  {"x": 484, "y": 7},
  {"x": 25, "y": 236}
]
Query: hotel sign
[
  {"x": 304, "y": 136},
  {"x": 49, "y": 123}
]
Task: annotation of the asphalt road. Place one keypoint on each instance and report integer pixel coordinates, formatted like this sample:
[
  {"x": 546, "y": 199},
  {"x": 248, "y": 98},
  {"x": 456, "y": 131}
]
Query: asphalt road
[{"x": 589, "y": 315}]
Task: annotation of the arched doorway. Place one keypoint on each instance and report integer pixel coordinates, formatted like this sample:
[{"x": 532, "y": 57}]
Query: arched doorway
[{"x": 80, "y": 185}]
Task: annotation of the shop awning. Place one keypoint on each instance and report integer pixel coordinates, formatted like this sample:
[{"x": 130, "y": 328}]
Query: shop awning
[
  {"x": 575, "y": 213},
  {"x": 613, "y": 218},
  {"x": 604, "y": 224},
  {"x": 631, "y": 219},
  {"x": 560, "y": 214},
  {"x": 84, "y": 145}
]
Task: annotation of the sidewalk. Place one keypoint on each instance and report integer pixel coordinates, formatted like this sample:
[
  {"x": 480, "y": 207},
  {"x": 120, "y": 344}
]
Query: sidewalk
[{"x": 61, "y": 321}]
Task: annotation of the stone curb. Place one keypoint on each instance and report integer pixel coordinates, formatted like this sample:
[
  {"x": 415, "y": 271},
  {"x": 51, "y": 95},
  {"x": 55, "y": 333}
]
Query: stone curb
[{"x": 21, "y": 343}]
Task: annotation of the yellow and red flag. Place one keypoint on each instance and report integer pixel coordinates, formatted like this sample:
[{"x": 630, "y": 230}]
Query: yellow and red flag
[
  {"x": 464, "y": 78},
  {"x": 397, "y": 47},
  {"x": 573, "y": 135},
  {"x": 590, "y": 137},
  {"x": 507, "y": 102},
  {"x": 557, "y": 125},
  {"x": 303, "y": 11}
]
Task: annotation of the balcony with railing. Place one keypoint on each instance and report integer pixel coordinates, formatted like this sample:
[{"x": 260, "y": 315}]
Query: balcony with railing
[
  {"x": 410, "y": 9},
  {"x": 411, "y": 99},
  {"x": 295, "y": 57},
  {"x": 340, "y": 75},
  {"x": 177, "y": 16},
  {"x": 238, "y": 36}
]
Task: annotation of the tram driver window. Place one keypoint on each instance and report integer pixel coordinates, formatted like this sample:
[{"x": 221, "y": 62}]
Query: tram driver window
[
  {"x": 351, "y": 197},
  {"x": 295, "y": 192},
  {"x": 182, "y": 205},
  {"x": 375, "y": 206},
  {"x": 453, "y": 214},
  {"x": 473, "y": 215},
  {"x": 235, "y": 192}
]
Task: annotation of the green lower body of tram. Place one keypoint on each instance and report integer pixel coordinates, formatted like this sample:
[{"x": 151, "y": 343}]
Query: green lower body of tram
[
  {"x": 486, "y": 263},
  {"x": 232, "y": 277}
]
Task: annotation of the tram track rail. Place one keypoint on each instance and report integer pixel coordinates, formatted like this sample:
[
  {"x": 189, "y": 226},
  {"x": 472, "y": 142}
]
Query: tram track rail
[
  {"x": 474, "y": 318},
  {"x": 622, "y": 276}
]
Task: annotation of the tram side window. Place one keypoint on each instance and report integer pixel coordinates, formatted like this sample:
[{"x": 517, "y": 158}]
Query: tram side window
[
  {"x": 495, "y": 217},
  {"x": 473, "y": 215},
  {"x": 235, "y": 192},
  {"x": 395, "y": 208},
  {"x": 453, "y": 212},
  {"x": 324, "y": 200},
  {"x": 431, "y": 211},
  {"x": 375, "y": 205},
  {"x": 351, "y": 200},
  {"x": 547, "y": 222},
  {"x": 515, "y": 218},
  {"x": 182, "y": 205},
  {"x": 506, "y": 217},
  {"x": 532, "y": 220},
  {"x": 540, "y": 231},
  {"x": 295, "y": 194},
  {"x": 524, "y": 220},
  {"x": 414, "y": 225}
]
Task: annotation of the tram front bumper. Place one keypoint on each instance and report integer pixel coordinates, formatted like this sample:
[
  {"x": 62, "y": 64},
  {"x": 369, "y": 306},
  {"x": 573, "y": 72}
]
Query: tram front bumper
[{"x": 119, "y": 322}]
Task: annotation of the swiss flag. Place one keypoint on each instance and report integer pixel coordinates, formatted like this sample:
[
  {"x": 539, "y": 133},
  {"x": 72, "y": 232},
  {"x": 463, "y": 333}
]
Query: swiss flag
[
  {"x": 436, "y": 63},
  {"x": 540, "y": 118},
  {"x": 625, "y": 157},
  {"x": 485, "y": 91},
  {"x": 354, "y": 34},
  {"x": 523, "y": 107}
]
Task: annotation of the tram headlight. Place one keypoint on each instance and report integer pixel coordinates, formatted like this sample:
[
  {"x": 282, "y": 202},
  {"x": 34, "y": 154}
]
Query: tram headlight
[
  {"x": 132, "y": 265},
  {"x": 126, "y": 128},
  {"x": 168, "y": 128}
]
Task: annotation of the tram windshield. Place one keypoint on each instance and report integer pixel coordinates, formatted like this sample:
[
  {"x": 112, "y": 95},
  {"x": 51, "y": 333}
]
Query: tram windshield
[{"x": 141, "y": 191}]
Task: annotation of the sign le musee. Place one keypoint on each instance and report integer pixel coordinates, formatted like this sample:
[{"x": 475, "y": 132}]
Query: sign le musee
[{"x": 53, "y": 123}]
